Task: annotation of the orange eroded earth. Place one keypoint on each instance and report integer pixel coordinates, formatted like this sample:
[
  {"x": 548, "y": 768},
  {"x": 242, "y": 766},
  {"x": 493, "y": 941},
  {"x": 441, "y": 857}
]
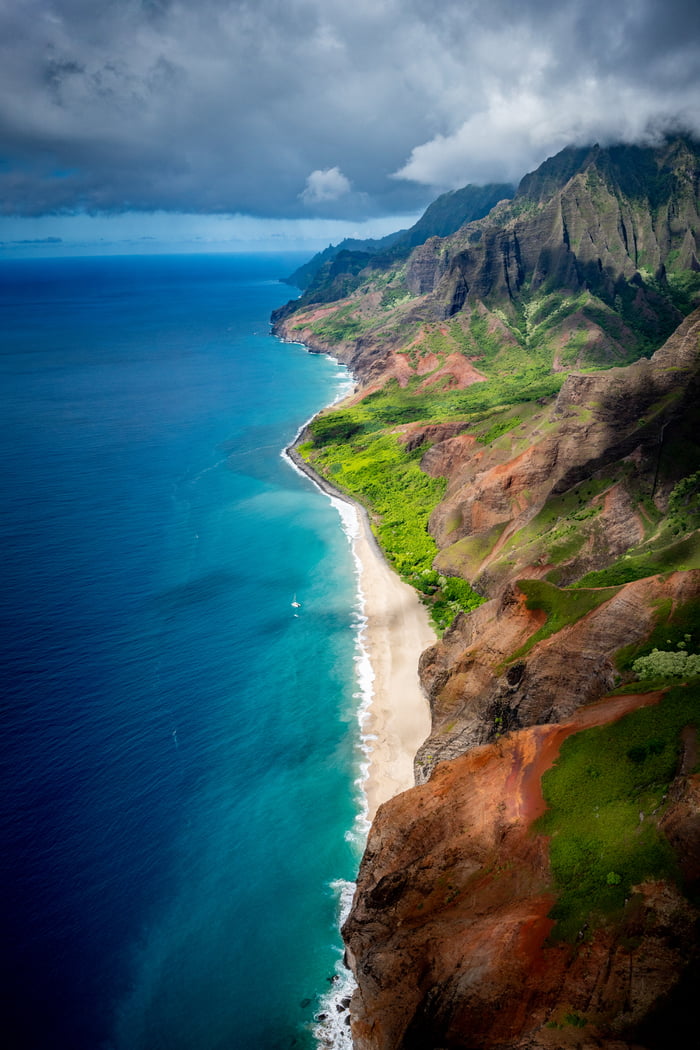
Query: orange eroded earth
[{"x": 455, "y": 890}]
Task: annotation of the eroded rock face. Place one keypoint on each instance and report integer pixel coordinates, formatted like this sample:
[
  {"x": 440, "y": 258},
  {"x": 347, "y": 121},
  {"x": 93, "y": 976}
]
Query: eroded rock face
[
  {"x": 681, "y": 822},
  {"x": 609, "y": 425},
  {"x": 448, "y": 935},
  {"x": 582, "y": 228},
  {"x": 426, "y": 267},
  {"x": 473, "y": 698},
  {"x": 448, "y": 932}
]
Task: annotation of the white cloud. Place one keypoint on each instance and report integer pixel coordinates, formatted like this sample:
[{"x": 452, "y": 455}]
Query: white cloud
[
  {"x": 520, "y": 126},
  {"x": 326, "y": 184},
  {"x": 227, "y": 107}
]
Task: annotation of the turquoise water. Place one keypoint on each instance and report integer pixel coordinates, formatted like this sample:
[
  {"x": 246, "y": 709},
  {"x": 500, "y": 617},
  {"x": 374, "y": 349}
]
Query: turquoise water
[{"x": 180, "y": 748}]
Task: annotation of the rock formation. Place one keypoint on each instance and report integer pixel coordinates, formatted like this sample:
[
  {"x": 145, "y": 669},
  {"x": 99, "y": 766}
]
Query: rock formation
[{"x": 538, "y": 887}]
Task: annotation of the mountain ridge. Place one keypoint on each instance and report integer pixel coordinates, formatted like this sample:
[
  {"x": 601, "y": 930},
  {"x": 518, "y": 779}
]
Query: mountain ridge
[
  {"x": 318, "y": 277},
  {"x": 629, "y": 264},
  {"x": 524, "y": 439}
]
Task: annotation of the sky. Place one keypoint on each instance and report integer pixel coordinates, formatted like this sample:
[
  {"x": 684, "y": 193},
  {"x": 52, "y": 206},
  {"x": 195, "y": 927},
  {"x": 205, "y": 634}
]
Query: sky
[{"x": 291, "y": 123}]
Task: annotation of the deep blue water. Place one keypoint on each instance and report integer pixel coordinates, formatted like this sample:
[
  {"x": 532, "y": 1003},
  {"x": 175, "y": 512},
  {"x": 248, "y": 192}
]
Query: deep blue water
[{"x": 178, "y": 748}]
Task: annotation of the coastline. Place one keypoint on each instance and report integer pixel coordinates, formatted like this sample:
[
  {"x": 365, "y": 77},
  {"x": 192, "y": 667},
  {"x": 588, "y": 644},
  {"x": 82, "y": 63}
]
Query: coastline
[{"x": 395, "y": 718}]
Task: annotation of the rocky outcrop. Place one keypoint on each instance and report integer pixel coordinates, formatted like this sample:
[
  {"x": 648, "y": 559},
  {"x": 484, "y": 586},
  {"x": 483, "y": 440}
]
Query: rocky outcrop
[
  {"x": 448, "y": 936},
  {"x": 369, "y": 362},
  {"x": 477, "y": 691},
  {"x": 450, "y": 932},
  {"x": 594, "y": 219},
  {"x": 598, "y": 422},
  {"x": 425, "y": 268},
  {"x": 414, "y": 435}
]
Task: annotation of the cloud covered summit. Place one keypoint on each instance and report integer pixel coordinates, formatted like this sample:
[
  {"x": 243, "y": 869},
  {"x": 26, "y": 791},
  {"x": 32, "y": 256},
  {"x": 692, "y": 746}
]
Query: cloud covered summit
[{"x": 320, "y": 107}]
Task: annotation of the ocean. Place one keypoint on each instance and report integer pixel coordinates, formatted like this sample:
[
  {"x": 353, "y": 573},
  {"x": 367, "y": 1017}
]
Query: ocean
[{"x": 180, "y": 745}]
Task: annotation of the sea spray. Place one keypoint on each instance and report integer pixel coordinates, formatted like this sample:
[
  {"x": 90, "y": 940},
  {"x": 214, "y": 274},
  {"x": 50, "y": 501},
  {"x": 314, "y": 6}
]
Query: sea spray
[{"x": 332, "y": 1023}]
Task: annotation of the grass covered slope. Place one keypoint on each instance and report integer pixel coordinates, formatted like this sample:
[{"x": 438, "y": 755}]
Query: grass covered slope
[
  {"x": 593, "y": 263},
  {"x": 606, "y": 799},
  {"x": 524, "y": 438},
  {"x": 354, "y": 450}
]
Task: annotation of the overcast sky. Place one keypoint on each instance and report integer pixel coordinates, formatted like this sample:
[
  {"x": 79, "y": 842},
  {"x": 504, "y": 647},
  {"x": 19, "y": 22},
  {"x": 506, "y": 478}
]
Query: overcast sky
[{"x": 350, "y": 110}]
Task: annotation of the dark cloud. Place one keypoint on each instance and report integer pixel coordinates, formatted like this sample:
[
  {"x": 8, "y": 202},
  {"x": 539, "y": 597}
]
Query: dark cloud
[{"x": 320, "y": 107}]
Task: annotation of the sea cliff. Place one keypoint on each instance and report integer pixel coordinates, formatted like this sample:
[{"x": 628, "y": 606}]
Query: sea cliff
[{"x": 524, "y": 440}]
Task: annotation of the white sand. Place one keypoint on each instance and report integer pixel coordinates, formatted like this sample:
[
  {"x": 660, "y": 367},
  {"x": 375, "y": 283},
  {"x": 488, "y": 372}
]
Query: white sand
[{"x": 398, "y": 630}]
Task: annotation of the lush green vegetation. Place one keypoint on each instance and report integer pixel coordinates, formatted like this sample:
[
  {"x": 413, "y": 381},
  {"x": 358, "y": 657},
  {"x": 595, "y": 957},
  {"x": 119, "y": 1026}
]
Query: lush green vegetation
[
  {"x": 572, "y": 1019},
  {"x": 563, "y": 606},
  {"x": 446, "y": 595},
  {"x": 498, "y": 428},
  {"x": 684, "y": 505},
  {"x": 338, "y": 325},
  {"x": 683, "y": 554},
  {"x": 355, "y": 447},
  {"x": 388, "y": 480},
  {"x": 436, "y": 403},
  {"x": 668, "y": 663},
  {"x": 395, "y": 294},
  {"x": 675, "y": 630},
  {"x": 684, "y": 286},
  {"x": 373, "y": 466},
  {"x": 604, "y": 795}
]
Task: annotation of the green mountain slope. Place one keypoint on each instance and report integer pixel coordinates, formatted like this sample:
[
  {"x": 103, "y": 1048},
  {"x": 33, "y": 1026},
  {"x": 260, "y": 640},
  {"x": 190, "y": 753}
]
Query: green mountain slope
[
  {"x": 593, "y": 263},
  {"x": 524, "y": 437},
  {"x": 445, "y": 215}
]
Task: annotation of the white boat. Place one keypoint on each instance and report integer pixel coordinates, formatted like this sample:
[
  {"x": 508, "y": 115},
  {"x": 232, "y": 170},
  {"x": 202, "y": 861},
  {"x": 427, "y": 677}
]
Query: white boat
[{"x": 295, "y": 603}]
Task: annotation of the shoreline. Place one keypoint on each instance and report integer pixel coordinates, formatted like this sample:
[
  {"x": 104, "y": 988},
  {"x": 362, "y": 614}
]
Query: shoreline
[{"x": 395, "y": 716}]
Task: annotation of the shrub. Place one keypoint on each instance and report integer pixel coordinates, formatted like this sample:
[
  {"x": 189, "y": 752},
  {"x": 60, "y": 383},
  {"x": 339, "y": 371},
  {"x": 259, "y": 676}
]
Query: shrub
[{"x": 666, "y": 664}]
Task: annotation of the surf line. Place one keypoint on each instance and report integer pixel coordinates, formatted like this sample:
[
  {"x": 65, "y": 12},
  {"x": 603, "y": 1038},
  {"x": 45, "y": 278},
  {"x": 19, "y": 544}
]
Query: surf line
[{"x": 330, "y": 1027}]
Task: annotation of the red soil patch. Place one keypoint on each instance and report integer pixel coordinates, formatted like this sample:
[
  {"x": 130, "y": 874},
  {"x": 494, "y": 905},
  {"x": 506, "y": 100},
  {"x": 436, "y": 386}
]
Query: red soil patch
[
  {"x": 548, "y": 741},
  {"x": 310, "y": 316},
  {"x": 458, "y": 370},
  {"x": 427, "y": 364},
  {"x": 398, "y": 368}
]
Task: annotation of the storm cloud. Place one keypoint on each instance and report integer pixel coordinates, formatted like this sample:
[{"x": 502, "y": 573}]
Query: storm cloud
[{"x": 323, "y": 108}]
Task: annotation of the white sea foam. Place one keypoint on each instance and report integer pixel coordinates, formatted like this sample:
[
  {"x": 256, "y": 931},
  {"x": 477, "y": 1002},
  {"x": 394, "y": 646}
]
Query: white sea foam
[
  {"x": 331, "y": 1027},
  {"x": 346, "y": 385},
  {"x": 332, "y": 1023}
]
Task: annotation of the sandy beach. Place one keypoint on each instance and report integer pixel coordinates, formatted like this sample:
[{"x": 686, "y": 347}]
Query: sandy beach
[{"x": 398, "y": 629}]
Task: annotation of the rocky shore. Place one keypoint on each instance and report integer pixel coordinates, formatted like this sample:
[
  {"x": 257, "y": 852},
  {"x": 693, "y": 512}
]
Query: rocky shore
[{"x": 537, "y": 888}]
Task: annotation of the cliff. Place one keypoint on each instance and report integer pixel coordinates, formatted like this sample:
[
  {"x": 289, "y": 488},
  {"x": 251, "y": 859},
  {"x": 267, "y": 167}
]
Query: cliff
[
  {"x": 453, "y": 935},
  {"x": 593, "y": 263},
  {"x": 524, "y": 438},
  {"x": 327, "y": 276}
]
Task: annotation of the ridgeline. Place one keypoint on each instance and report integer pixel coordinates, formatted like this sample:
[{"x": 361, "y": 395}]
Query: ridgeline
[{"x": 524, "y": 437}]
